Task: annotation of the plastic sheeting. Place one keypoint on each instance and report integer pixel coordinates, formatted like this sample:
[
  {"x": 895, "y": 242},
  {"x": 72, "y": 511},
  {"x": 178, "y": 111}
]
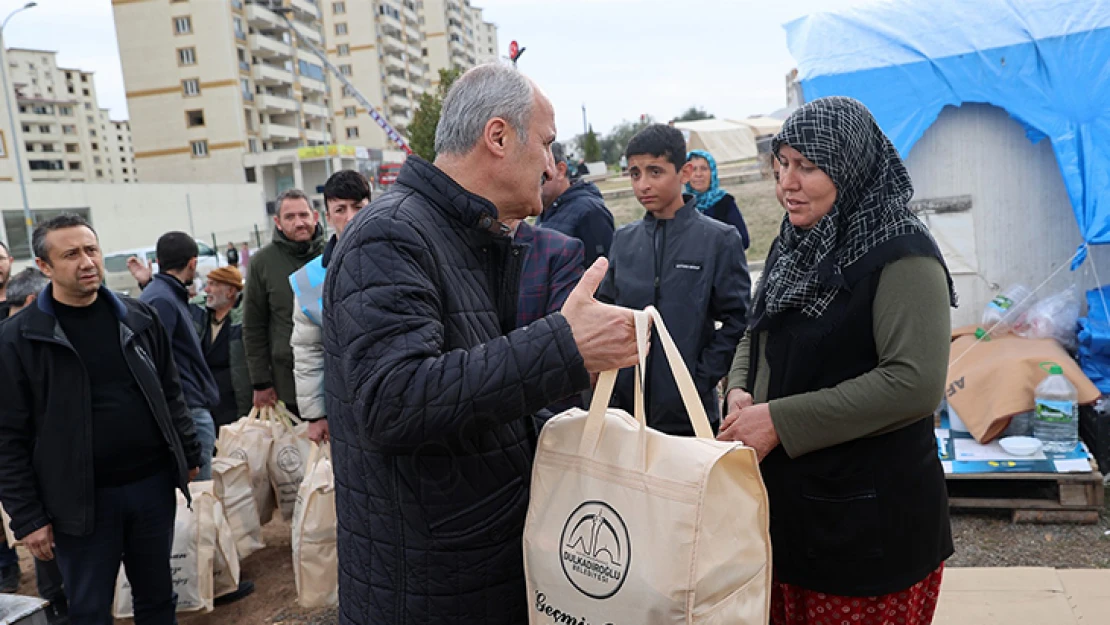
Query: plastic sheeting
[
  {"x": 1046, "y": 62},
  {"x": 1094, "y": 340}
]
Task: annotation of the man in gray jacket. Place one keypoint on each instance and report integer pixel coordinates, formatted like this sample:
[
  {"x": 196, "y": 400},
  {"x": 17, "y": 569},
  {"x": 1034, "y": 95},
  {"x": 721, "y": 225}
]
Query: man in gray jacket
[{"x": 690, "y": 267}]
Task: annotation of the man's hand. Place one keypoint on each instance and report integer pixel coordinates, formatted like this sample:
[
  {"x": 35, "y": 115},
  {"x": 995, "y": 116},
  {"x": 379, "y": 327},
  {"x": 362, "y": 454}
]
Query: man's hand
[
  {"x": 193, "y": 473},
  {"x": 605, "y": 334},
  {"x": 139, "y": 270},
  {"x": 41, "y": 543},
  {"x": 318, "y": 431},
  {"x": 753, "y": 427},
  {"x": 265, "y": 398}
]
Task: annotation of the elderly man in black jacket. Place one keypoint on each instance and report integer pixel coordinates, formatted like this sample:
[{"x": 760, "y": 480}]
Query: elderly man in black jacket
[
  {"x": 431, "y": 388},
  {"x": 94, "y": 434}
]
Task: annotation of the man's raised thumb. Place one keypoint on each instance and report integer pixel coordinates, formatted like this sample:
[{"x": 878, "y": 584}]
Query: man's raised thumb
[{"x": 587, "y": 286}]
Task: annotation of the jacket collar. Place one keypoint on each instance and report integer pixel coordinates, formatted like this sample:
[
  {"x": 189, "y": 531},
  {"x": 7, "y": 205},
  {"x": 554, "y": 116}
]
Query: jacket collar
[
  {"x": 175, "y": 285},
  {"x": 42, "y": 321},
  {"x": 525, "y": 233},
  {"x": 328, "y": 250},
  {"x": 473, "y": 211},
  {"x": 305, "y": 251},
  {"x": 45, "y": 301},
  {"x": 685, "y": 215}
]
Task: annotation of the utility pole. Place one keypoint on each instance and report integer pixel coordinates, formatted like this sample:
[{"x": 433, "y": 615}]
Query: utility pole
[
  {"x": 585, "y": 127},
  {"x": 28, "y": 221}
]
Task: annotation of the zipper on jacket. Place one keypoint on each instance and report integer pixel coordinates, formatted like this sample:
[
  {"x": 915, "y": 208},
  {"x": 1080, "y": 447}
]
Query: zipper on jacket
[{"x": 659, "y": 249}]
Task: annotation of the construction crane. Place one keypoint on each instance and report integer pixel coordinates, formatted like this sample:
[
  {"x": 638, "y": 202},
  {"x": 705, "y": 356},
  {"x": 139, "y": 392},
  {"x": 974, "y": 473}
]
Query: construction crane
[{"x": 378, "y": 118}]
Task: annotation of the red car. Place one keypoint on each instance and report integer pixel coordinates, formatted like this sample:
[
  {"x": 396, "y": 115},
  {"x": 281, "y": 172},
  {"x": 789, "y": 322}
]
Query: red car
[{"x": 387, "y": 174}]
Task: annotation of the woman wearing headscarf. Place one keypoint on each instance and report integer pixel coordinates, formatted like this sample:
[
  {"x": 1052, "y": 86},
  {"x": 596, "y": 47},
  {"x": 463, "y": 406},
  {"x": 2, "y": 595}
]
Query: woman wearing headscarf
[
  {"x": 837, "y": 379},
  {"x": 712, "y": 199}
]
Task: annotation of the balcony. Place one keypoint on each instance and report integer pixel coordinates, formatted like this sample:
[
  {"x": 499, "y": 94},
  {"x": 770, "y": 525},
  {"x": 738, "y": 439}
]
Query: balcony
[
  {"x": 270, "y": 75},
  {"x": 268, "y": 47},
  {"x": 415, "y": 51},
  {"x": 311, "y": 84},
  {"x": 306, "y": 32},
  {"x": 388, "y": 21},
  {"x": 263, "y": 18},
  {"x": 416, "y": 70},
  {"x": 397, "y": 102},
  {"x": 393, "y": 44},
  {"x": 275, "y": 103},
  {"x": 396, "y": 82},
  {"x": 306, "y": 7},
  {"x": 393, "y": 62},
  {"x": 279, "y": 132},
  {"x": 316, "y": 135},
  {"x": 314, "y": 110},
  {"x": 410, "y": 16}
]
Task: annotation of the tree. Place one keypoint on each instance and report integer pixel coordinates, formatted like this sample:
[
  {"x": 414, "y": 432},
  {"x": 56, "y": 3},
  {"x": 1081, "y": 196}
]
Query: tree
[
  {"x": 422, "y": 130},
  {"x": 591, "y": 147},
  {"x": 614, "y": 143},
  {"x": 693, "y": 114}
]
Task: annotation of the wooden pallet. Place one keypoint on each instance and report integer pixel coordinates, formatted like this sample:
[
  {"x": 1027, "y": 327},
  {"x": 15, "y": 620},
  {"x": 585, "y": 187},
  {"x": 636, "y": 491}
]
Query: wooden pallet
[{"x": 1032, "y": 497}]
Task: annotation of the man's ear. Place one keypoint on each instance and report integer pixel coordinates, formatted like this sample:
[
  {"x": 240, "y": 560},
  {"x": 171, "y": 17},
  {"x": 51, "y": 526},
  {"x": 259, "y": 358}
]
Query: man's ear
[
  {"x": 495, "y": 135},
  {"x": 193, "y": 262},
  {"x": 562, "y": 169},
  {"x": 44, "y": 267},
  {"x": 686, "y": 172}
]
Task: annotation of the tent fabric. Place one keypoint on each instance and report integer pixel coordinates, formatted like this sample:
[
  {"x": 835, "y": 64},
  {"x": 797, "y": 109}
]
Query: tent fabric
[
  {"x": 1045, "y": 62},
  {"x": 727, "y": 141},
  {"x": 762, "y": 125}
]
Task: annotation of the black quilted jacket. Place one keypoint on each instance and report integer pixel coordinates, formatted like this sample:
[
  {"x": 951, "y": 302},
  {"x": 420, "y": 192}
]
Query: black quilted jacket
[{"x": 430, "y": 393}]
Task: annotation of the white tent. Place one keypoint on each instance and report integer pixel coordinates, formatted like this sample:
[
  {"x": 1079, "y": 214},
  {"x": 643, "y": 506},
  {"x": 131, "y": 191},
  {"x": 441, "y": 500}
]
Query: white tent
[
  {"x": 727, "y": 141},
  {"x": 762, "y": 125}
]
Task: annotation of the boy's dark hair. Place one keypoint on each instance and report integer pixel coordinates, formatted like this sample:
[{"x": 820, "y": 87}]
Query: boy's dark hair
[
  {"x": 346, "y": 185},
  {"x": 659, "y": 140},
  {"x": 61, "y": 222},
  {"x": 174, "y": 250}
]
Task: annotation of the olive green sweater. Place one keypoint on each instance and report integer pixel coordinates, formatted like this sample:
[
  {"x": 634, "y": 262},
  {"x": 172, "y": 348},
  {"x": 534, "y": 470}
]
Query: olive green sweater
[{"x": 912, "y": 328}]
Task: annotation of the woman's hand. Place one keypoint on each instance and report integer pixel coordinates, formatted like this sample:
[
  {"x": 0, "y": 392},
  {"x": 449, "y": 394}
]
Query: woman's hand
[
  {"x": 751, "y": 426},
  {"x": 736, "y": 400}
]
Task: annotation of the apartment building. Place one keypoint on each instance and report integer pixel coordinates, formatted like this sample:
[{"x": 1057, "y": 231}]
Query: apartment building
[
  {"x": 117, "y": 158},
  {"x": 378, "y": 47},
  {"x": 220, "y": 90},
  {"x": 456, "y": 36},
  {"x": 486, "y": 48},
  {"x": 63, "y": 139}
]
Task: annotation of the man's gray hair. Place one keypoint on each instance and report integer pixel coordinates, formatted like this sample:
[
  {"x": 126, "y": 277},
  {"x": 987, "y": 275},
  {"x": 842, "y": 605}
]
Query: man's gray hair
[
  {"x": 483, "y": 93},
  {"x": 24, "y": 283},
  {"x": 559, "y": 152},
  {"x": 290, "y": 194}
]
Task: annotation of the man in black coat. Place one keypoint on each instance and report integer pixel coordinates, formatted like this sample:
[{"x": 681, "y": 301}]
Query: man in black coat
[
  {"x": 95, "y": 434},
  {"x": 575, "y": 208},
  {"x": 430, "y": 387}
]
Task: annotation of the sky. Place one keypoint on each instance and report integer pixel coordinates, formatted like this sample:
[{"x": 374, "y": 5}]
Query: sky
[{"x": 619, "y": 58}]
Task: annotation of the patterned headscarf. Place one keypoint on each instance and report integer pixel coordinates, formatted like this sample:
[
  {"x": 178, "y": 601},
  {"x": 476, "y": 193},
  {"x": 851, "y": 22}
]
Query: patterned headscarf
[
  {"x": 708, "y": 198},
  {"x": 873, "y": 190}
]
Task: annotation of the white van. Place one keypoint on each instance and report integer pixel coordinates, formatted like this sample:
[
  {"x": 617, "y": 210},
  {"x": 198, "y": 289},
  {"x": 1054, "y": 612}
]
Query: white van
[{"x": 119, "y": 279}]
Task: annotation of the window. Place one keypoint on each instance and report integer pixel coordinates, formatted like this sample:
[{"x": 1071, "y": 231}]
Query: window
[
  {"x": 193, "y": 119},
  {"x": 190, "y": 87},
  {"x": 125, "y": 170},
  {"x": 240, "y": 34},
  {"x": 343, "y": 50},
  {"x": 91, "y": 120},
  {"x": 200, "y": 148},
  {"x": 69, "y": 76},
  {"x": 88, "y": 106},
  {"x": 95, "y": 146},
  {"x": 119, "y": 137},
  {"x": 338, "y": 7},
  {"x": 253, "y": 143},
  {"x": 92, "y": 133},
  {"x": 121, "y": 149},
  {"x": 44, "y": 128},
  {"x": 73, "y": 148},
  {"x": 26, "y": 128},
  {"x": 345, "y": 70},
  {"x": 349, "y": 112},
  {"x": 186, "y": 56},
  {"x": 84, "y": 78},
  {"x": 96, "y": 160},
  {"x": 29, "y": 147},
  {"x": 66, "y": 110},
  {"x": 245, "y": 86},
  {"x": 341, "y": 28},
  {"x": 48, "y": 147},
  {"x": 71, "y": 90},
  {"x": 75, "y": 166},
  {"x": 100, "y": 173},
  {"x": 182, "y": 25},
  {"x": 352, "y": 133},
  {"x": 347, "y": 93}
]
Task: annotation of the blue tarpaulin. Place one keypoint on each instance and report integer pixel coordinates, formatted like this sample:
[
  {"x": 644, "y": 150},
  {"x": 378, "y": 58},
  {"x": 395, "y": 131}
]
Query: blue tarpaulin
[{"x": 1045, "y": 62}]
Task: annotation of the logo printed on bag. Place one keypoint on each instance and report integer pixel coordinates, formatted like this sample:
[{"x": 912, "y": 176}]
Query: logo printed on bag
[
  {"x": 595, "y": 550},
  {"x": 289, "y": 459},
  {"x": 240, "y": 454}
]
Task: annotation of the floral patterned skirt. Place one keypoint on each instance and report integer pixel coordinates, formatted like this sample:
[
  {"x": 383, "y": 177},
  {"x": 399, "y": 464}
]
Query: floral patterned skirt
[{"x": 792, "y": 605}]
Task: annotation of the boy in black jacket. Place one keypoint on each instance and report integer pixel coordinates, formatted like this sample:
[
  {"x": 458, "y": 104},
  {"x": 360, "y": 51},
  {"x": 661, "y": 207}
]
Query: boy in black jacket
[{"x": 690, "y": 267}]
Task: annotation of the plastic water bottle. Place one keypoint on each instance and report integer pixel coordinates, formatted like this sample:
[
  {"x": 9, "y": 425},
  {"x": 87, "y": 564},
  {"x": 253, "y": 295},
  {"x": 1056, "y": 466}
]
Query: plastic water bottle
[
  {"x": 1056, "y": 415},
  {"x": 1002, "y": 313}
]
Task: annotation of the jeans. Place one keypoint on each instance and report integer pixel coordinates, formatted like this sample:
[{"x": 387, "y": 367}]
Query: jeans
[
  {"x": 206, "y": 436},
  {"x": 133, "y": 524},
  {"x": 8, "y": 556},
  {"x": 48, "y": 579}
]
